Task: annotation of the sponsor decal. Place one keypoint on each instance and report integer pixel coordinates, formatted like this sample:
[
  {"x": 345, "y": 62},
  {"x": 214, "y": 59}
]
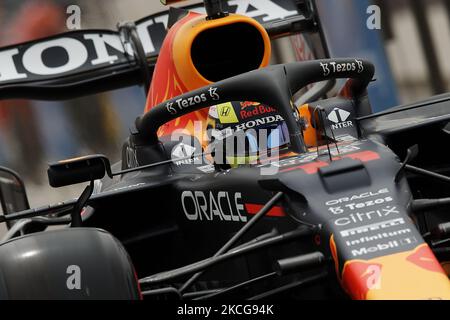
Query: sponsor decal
[
  {"x": 393, "y": 244},
  {"x": 228, "y": 132},
  {"x": 377, "y": 237},
  {"x": 186, "y": 154},
  {"x": 258, "y": 110},
  {"x": 246, "y": 104},
  {"x": 360, "y": 205},
  {"x": 173, "y": 107},
  {"x": 339, "y": 118},
  {"x": 210, "y": 206},
  {"x": 361, "y": 217},
  {"x": 338, "y": 115},
  {"x": 213, "y": 94},
  {"x": 372, "y": 227},
  {"x": 334, "y": 67},
  {"x": 370, "y": 224},
  {"x": 360, "y": 196},
  {"x": 212, "y": 113},
  {"x": 182, "y": 151},
  {"x": 369, "y": 203},
  {"x": 180, "y": 104},
  {"x": 226, "y": 114},
  {"x": 259, "y": 122},
  {"x": 83, "y": 50}
]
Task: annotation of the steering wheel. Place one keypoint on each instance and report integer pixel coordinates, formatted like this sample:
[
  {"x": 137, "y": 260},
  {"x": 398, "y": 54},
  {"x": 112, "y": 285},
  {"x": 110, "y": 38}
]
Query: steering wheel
[{"x": 273, "y": 86}]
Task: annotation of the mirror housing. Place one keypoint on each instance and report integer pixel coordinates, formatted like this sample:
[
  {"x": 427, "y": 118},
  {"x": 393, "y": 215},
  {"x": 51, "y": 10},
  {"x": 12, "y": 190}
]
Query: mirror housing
[
  {"x": 13, "y": 195},
  {"x": 412, "y": 153},
  {"x": 78, "y": 170}
]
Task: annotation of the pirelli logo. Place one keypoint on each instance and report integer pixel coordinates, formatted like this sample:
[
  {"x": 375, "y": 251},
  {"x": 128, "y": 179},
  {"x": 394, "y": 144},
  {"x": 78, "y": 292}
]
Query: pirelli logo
[{"x": 372, "y": 227}]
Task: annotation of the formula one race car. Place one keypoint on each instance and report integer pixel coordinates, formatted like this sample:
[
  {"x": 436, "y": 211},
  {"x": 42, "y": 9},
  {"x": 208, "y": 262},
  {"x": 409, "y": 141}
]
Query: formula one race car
[{"x": 268, "y": 199}]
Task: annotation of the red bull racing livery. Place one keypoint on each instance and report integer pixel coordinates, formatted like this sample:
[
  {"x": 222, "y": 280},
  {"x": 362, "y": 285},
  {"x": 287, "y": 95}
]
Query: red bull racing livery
[{"x": 228, "y": 187}]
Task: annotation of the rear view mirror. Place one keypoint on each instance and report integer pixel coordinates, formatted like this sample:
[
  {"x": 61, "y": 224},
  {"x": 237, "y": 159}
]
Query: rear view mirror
[
  {"x": 13, "y": 195},
  {"x": 77, "y": 170}
]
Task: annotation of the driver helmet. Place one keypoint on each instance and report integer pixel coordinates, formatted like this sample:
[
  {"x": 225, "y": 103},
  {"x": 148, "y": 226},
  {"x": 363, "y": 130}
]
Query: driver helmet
[{"x": 240, "y": 132}]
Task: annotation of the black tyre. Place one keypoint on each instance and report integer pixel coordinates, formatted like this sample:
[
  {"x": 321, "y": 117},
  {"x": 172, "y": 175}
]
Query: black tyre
[{"x": 76, "y": 263}]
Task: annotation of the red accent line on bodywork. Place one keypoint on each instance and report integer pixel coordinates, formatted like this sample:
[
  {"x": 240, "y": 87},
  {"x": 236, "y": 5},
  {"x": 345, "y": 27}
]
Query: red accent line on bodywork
[
  {"x": 364, "y": 156},
  {"x": 255, "y": 208},
  {"x": 313, "y": 167},
  {"x": 309, "y": 168}
]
